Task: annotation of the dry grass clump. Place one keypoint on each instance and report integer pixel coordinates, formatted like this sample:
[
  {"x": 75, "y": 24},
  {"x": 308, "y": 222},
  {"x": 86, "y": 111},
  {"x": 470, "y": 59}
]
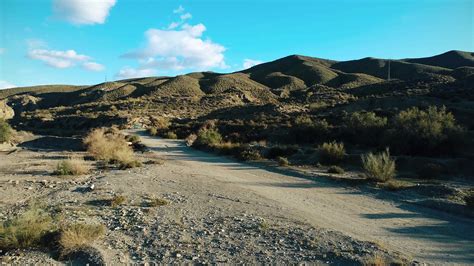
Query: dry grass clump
[
  {"x": 76, "y": 236},
  {"x": 171, "y": 135},
  {"x": 72, "y": 166},
  {"x": 155, "y": 202},
  {"x": 334, "y": 169},
  {"x": 332, "y": 152},
  {"x": 117, "y": 200},
  {"x": 207, "y": 138},
  {"x": 111, "y": 147},
  {"x": 379, "y": 167},
  {"x": 282, "y": 161},
  {"x": 25, "y": 230}
]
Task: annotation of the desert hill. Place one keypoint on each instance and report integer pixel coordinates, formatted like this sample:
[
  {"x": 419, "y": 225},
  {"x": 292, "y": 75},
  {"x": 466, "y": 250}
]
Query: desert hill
[{"x": 294, "y": 83}]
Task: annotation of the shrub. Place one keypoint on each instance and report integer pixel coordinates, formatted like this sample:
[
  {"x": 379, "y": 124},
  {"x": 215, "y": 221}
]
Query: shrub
[
  {"x": 305, "y": 130},
  {"x": 117, "y": 200},
  {"x": 379, "y": 167},
  {"x": 228, "y": 148},
  {"x": 76, "y": 236},
  {"x": 434, "y": 131},
  {"x": 171, "y": 135},
  {"x": 160, "y": 123},
  {"x": 133, "y": 138},
  {"x": 25, "y": 230},
  {"x": 430, "y": 171},
  {"x": 153, "y": 131},
  {"x": 5, "y": 131},
  {"x": 282, "y": 161},
  {"x": 334, "y": 169},
  {"x": 250, "y": 154},
  {"x": 110, "y": 147},
  {"x": 469, "y": 199},
  {"x": 364, "y": 127},
  {"x": 71, "y": 167},
  {"x": 155, "y": 202},
  {"x": 207, "y": 138},
  {"x": 332, "y": 152}
]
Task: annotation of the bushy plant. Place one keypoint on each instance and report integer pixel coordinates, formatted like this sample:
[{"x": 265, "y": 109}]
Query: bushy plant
[
  {"x": 5, "y": 131},
  {"x": 170, "y": 135},
  {"x": 71, "y": 166},
  {"x": 364, "y": 127},
  {"x": 332, "y": 152},
  {"x": 25, "y": 230},
  {"x": 282, "y": 161},
  {"x": 306, "y": 130},
  {"x": 334, "y": 169},
  {"x": 208, "y": 138},
  {"x": 429, "y": 132},
  {"x": 469, "y": 199},
  {"x": 111, "y": 147},
  {"x": 79, "y": 235},
  {"x": 160, "y": 123},
  {"x": 153, "y": 131},
  {"x": 379, "y": 167},
  {"x": 250, "y": 154}
]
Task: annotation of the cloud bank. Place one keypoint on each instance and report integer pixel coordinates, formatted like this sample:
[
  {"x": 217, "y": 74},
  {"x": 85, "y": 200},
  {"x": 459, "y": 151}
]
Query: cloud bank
[{"x": 64, "y": 59}]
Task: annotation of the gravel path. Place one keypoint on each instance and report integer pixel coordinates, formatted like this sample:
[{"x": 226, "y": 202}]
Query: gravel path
[{"x": 424, "y": 234}]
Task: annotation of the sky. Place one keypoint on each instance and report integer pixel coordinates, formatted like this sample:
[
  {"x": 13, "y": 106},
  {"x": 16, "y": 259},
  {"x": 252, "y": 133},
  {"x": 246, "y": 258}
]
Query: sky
[{"x": 89, "y": 41}]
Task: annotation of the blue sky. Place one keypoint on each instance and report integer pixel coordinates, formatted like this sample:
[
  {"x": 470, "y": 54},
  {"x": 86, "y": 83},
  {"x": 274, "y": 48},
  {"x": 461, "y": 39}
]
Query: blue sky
[{"x": 82, "y": 41}]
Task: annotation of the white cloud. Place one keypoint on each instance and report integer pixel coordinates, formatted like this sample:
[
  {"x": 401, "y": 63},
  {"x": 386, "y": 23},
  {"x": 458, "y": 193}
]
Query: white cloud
[
  {"x": 6, "y": 85},
  {"x": 58, "y": 59},
  {"x": 179, "y": 10},
  {"x": 35, "y": 43},
  {"x": 248, "y": 63},
  {"x": 180, "y": 49},
  {"x": 186, "y": 16},
  {"x": 2, "y": 50},
  {"x": 83, "y": 11},
  {"x": 173, "y": 25},
  {"x": 128, "y": 72},
  {"x": 93, "y": 66},
  {"x": 64, "y": 59}
]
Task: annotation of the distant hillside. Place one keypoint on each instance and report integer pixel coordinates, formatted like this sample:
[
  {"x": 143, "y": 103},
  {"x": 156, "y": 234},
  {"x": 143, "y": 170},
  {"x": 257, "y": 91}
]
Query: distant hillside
[{"x": 451, "y": 59}]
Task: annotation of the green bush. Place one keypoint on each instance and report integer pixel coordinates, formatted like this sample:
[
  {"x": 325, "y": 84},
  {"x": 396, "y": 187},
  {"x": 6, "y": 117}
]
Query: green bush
[
  {"x": 305, "y": 130},
  {"x": 364, "y": 127},
  {"x": 207, "y": 138},
  {"x": 250, "y": 154},
  {"x": 153, "y": 131},
  {"x": 5, "y": 131},
  {"x": 379, "y": 167},
  {"x": 332, "y": 152},
  {"x": 25, "y": 230},
  {"x": 170, "y": 135},
  {"x": 434, "y": 131},
  {"x": 334, "y": 169}
]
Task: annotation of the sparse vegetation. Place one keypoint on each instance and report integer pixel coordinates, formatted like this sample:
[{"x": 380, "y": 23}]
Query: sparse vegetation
[
  {"x": 111, "y": 147},
  {"x": 332, "y": 152},
  {"x": 379, "y": 167},
  {"x": 5, "y": 131},
  {"x": 26, "y": 230},
  {"x": 433, "y": 131},
  {"x": 364, "y": 127},
  {"x": 156, "y": 202},
  {"x": 117, "y": 201},
  {"x": 171, "y": 135},
  {"x": 73, "y": 166},
  {"x": 79, "y": 235},
  {"x": 207, "y": 138},
  {"x": 250, "y": 154},
  {"x": 282, "y": 161},
  {"x": 334, "y": 169}
]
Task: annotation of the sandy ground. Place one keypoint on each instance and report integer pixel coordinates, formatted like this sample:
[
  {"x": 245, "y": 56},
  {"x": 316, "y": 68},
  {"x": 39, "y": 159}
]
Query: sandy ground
[
  {"x": 424, "y": 234},
  {"x": 221, "y": 210}
]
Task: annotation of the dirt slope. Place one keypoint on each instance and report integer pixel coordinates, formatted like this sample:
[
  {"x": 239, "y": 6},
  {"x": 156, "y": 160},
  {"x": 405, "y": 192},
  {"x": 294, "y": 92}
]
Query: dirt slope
[{"x": 425, "y": 234}]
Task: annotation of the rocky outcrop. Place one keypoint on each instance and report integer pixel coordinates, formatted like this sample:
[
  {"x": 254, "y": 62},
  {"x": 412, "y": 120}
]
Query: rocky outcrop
[{"x": 6, "y": 112}]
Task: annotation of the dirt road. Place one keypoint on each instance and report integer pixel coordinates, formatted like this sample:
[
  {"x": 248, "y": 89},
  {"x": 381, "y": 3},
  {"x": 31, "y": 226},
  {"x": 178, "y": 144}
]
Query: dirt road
[{"x": 424, "y": 234}]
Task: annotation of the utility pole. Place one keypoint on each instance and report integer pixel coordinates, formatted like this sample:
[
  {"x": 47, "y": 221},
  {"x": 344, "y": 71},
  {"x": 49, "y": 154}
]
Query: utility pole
[
  {"x": 105, "y": 78},
  {"x": 388, "y": 70}
]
